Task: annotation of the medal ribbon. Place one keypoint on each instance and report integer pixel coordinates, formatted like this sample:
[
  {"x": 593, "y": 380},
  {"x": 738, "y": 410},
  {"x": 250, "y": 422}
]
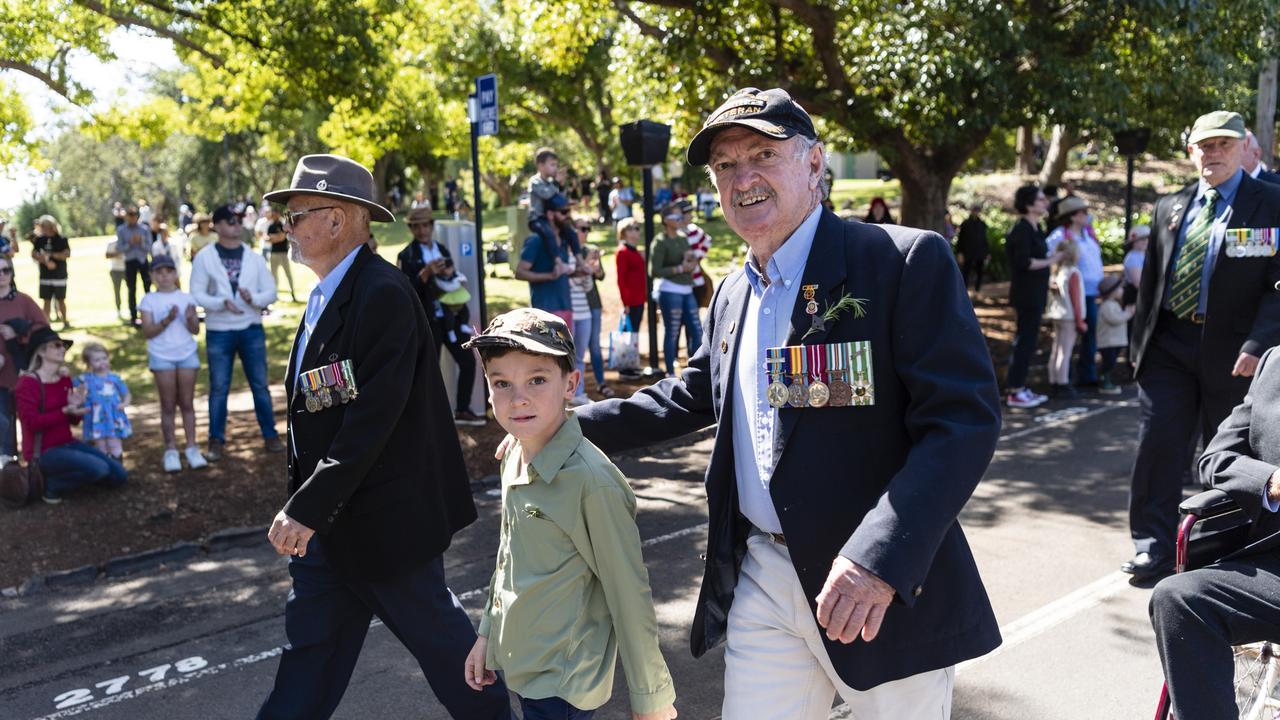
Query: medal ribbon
[{"x": 797, "y": 362}]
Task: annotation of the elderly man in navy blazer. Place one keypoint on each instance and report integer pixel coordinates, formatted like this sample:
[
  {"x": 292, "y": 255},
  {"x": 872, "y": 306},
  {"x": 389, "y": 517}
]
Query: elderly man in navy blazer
[{"x": 856, "y": 410}]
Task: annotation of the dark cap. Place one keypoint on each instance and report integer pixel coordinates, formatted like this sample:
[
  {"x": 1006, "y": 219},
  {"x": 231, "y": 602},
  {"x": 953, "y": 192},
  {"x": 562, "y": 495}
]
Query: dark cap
[
  {"x": 163, "y": 261},
  {"x": 771, "y": 113},
  {"x": 527, "y": 329},
  {"x": 1108, "y": 285},
  {"x": 42, "y": 335},
  {"x": 1220, "y": 123},
  {"x": 225, "y": 213},
  {"x": 556, "y": 202}
]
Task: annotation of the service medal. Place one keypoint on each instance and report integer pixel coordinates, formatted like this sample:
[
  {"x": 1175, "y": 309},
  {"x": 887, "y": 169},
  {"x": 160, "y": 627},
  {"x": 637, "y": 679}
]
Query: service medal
[
  {"x": 811, "y": 307},
  {"x": 797, "y": 395},
  {"x": 841, "y": 393},
  {"x": 326, "y": 398},
  {"x": 819, "y": 394},
  {"x": 313, "y": 403},
  {"x": 777, "y": 394}
]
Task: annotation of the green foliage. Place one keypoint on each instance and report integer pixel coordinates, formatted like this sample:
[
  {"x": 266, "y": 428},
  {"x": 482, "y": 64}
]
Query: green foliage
[{"x": 25, "y": 216}]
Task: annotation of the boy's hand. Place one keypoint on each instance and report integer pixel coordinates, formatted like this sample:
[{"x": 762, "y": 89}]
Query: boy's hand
[
  {"x": 665, "y": 713},
  {"x": 477, "y": 676},
  {"x": 503, "y": 447}
]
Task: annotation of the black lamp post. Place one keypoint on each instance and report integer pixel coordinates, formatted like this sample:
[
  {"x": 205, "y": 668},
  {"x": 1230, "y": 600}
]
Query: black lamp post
[
  {"x": 645, "y": 142},
  {"x": 1130, "y": 142}
]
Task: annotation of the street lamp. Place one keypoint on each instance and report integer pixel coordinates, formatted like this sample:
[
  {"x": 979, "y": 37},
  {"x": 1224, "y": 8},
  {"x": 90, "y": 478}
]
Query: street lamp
[
  {"x": 644, "y": 143},
  {"x": 1130, "y": 142}
]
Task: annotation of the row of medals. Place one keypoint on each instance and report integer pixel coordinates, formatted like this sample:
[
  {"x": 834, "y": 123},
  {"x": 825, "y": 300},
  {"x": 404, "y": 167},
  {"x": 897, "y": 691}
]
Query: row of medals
[
  {"x": 816, "y": 393},
  {"x": 325, "y": 397}
]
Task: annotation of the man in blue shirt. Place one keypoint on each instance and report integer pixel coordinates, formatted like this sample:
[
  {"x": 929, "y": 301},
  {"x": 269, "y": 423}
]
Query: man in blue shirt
[
  {"x": 1207, "y": 310},
  {"x": 546, "y": 266}
]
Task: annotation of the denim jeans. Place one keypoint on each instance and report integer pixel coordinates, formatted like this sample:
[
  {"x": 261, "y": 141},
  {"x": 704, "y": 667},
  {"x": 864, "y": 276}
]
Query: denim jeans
[
  {"x": 586, "y": 336},
  {"x": 75, "y": 464},
  {"x": 8, "y": 424},
  {"x": 678, "y": 311},
  {"x": 552, "y": 708},
  {"x": 1087, "y": 363},
  {"x": 251, "y": 345}
]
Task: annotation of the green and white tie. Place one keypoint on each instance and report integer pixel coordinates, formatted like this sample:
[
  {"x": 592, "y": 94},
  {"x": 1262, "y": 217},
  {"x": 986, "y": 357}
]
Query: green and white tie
[{"x": 1184, "y": 294}]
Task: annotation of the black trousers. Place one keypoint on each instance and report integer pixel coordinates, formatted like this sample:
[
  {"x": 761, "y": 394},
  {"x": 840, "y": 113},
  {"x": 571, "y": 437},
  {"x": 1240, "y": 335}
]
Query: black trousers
[
  {"x": 973, "y": 269},
  {"x": 1178, "y": 398},
  {"x": 1024, "y": 344},
  {"x": 132, "y": 270},
  {"x": 466, "y": 359},
  {"x": 1199, "y": 615},
  {"x": 327, "y": 617}
]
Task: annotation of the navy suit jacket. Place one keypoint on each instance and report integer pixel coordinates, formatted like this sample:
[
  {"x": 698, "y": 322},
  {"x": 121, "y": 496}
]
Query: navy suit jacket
[
  {"x": 881, "y": 485},
  {"x": 1246, "y": 452}
]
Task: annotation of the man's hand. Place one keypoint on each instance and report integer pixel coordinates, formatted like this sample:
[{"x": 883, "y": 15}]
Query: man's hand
[
  {"x": 231, "y": 307},
  {"x": 666, "y": 713},
  {"x": 1246, "y": 365},
  {"x": 477, "y": 676},
  {"x": 288, "y": 536},
  {"x": 426, "y": 272},
  {"x": 246, "y": 295},
  {"x": 1273, "y": 487},
  {"x": 852, "y": 602},
  {"x": 7, "y": 332}
]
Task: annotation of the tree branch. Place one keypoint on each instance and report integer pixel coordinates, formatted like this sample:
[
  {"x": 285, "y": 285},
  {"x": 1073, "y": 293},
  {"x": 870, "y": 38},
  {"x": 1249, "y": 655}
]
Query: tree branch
[
  {"x": 58, "y": 85},
  {"x": 649, "y": 29},
  {"x": 203, "y": 20},
  {"x": 133, "y": 20}
]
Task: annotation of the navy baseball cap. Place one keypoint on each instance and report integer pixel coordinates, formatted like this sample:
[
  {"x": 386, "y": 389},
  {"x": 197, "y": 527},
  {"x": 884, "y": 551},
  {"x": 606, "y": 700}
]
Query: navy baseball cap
[
  {"x": 556, "y": 202},
  {"x": 163, "y": 261},
  {"x": 225, "y": 212},
  {"x": 771, "y": 113}
]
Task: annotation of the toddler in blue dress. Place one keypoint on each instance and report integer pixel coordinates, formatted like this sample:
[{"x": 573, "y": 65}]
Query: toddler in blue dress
[{"x": 106, "y": 396}]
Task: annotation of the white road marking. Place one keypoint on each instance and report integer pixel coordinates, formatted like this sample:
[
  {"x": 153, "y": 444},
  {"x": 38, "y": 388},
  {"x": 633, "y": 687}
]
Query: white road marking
[{"x": 1062, "y": 417}]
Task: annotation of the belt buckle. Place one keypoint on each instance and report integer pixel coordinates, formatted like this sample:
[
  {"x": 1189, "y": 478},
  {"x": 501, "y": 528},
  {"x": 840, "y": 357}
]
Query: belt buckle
[{"x": 1197, "y": 318}]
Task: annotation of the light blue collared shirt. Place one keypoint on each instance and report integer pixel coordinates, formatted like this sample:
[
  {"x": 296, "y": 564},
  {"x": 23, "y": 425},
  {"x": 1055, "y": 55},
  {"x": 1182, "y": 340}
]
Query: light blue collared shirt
[
  {"x": 1226, "y": 198},
  {"x": 766, "y": 324},
  {"x": 316, "y": 303}
]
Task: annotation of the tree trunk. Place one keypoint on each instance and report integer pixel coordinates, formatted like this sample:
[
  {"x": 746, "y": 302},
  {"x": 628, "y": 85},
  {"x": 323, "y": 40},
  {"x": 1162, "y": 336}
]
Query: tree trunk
[
  {"x": 1055, "y": 160},
  {"x": 380, "y": 167},
  {"x": 925, "y": 175},
  {"x": 1266, "y": 123},
  {"x": 1026, "y": 151}
]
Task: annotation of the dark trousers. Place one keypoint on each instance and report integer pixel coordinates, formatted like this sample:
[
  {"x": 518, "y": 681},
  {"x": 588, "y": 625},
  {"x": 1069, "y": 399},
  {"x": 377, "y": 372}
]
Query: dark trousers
[
  {"x": 1109, "y": 357},
  {"x": 327, "y": 617},
  {"x": 8, "y": 424},
  {"x": 635, "y": 314},
  {"x": 465, "y": 358},
  {"x": 1087, "y": 363},
  {"x": 1177, "y": 398},
  {"x": 552, "y": 709},
  {"x": 1024, "y": 344},
  {"x": 133, "y": 269},
  {"x": 1199, "y": 615},
  {"x": 973, "y": 269}
]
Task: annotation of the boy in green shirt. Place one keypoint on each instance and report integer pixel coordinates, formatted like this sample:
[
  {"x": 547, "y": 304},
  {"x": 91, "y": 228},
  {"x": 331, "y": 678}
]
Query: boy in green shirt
[{"x": 570, "y": 590}]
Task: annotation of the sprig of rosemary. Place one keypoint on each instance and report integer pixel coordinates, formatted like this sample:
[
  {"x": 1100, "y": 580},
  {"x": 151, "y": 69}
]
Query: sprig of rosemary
[{"x": 847, "y": 302}]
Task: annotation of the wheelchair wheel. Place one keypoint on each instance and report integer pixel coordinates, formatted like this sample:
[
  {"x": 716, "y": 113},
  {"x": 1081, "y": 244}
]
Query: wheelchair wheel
[{"x": 1257, "y": 677}]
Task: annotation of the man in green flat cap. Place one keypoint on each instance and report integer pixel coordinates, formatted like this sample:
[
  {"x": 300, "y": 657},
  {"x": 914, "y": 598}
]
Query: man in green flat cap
[{"x": 1207, "y": 309}]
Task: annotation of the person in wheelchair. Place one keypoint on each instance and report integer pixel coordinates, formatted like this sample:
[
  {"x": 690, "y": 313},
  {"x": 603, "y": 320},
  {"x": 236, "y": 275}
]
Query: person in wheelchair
[{"x": 1198, "y": 615}]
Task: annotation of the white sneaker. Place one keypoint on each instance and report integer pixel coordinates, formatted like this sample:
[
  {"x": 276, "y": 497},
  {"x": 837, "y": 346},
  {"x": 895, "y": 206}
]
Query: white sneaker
[
  {"x": 1024, "y": 398},
  {"x": 579, "y": 401},
  {"x": 171, "y": 462},
  {"x": 194, "y": 459}
]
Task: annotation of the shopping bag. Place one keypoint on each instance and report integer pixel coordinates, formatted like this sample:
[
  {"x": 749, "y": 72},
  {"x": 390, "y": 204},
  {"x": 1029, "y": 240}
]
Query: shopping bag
[{"x": 624, "y": 347}]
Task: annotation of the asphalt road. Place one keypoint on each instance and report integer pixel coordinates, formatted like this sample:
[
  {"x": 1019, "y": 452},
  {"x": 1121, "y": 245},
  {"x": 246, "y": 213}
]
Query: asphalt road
[{"x": 1047, "y": 526}]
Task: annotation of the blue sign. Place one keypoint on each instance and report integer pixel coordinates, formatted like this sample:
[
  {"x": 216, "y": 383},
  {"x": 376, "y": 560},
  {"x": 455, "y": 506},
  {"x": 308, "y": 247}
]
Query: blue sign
[
  {"x": 487, "y": 104},
  {"x": 467, "y": 249}
]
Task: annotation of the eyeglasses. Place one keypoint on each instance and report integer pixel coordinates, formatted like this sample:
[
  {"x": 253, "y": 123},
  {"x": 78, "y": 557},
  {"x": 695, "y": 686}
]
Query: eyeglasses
[
  {"x": 584, "y": 228},
  {"x": 291, "y": 217},
  {"x": 6, "y": 270}
]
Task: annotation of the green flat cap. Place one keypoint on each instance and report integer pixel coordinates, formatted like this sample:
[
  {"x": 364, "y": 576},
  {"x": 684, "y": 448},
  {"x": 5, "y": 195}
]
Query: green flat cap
[{"x": 1220, "y": 123}]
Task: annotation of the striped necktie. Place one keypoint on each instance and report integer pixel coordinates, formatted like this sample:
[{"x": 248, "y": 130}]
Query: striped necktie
[{"x": 1184, "y": 294}]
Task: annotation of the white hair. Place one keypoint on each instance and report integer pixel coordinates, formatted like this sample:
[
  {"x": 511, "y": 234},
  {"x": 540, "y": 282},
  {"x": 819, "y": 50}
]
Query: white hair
[{"x": 806, "y": 144}]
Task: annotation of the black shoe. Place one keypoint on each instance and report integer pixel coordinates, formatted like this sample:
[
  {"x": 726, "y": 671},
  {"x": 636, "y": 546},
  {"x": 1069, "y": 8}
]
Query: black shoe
[
  {"x": 273, "y": 444},
  {"x": 214, "y": 453},
  {"x": 1144, "y": 566}
]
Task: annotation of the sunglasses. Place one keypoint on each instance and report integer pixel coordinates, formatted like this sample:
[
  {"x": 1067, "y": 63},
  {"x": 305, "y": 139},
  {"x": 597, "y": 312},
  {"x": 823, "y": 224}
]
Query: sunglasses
[
  {"x": 6, "y": 270},
  {"x": 584, "y": 228},
  {"x": 292, "y": 217},
  {"x": 58, "y": 344}
]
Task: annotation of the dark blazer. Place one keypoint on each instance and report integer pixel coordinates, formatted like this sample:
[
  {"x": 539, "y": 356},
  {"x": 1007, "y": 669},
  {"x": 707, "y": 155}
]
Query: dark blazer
[
  {"x": 881, "y": 485},
  {"x": 1243, "y": 314},
  {"x": 410, "y": 263},
  {"x": 1246, "y": 452},
  {"x": 381, "y": 479},
  {"x": 1026, "y": 242},
  {"x": 1269, "y": 177}
]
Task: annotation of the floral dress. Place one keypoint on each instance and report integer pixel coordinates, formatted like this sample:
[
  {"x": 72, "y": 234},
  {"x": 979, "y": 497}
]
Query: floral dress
[{"x": 103, "y": 395}]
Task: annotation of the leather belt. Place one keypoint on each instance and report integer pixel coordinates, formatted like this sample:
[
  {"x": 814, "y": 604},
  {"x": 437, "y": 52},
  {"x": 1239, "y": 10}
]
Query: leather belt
[{"x": 1197, "y": 318}]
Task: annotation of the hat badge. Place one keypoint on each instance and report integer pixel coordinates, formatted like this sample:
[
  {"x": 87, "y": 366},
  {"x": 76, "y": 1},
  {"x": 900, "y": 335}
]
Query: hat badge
[{"x": 322, "y": 184}]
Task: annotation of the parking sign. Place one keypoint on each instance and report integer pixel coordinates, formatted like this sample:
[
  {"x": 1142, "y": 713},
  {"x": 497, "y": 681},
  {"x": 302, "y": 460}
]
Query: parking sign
[{"x": 487, "y": 100}]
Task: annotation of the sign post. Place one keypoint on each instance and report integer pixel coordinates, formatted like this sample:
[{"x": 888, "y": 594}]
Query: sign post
[{"x": 482, "y": 109}]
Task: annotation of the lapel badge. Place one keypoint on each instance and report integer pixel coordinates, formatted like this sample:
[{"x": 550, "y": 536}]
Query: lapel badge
[{"x": 724, "y": 346}]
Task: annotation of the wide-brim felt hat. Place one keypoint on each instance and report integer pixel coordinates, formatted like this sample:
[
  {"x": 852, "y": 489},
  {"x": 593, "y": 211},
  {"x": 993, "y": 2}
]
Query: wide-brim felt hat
[
  {"x": 45, "y": 334},
  {"x": 1071, "y": 204},
  {"x": 335, "y": 177},
  {"x": 771, "y": 113}
]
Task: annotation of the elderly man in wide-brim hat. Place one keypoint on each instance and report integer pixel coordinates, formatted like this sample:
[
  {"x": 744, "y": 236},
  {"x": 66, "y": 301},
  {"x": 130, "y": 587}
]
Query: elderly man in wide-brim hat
[
  {"x": 377, "y": 484},
  {"x": 855, "y": 410}
]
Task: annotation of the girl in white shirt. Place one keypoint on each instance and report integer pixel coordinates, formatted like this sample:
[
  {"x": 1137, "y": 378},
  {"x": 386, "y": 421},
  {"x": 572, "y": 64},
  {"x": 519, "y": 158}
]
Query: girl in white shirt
[{"x": 170, "y": 323}]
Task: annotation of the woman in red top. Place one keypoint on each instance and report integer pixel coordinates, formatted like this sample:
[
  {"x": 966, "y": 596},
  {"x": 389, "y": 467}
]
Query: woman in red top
[
  {"x": 631, "y": 272},
  {"x": 19, "y": 315},
  {"x": 48, "y": 406}
]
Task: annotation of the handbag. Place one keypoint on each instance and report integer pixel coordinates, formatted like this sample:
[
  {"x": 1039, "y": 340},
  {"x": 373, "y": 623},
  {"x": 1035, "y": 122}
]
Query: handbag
[
  {"x": 624, "y": 347},
  {"x": 21, "y": 486}
]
